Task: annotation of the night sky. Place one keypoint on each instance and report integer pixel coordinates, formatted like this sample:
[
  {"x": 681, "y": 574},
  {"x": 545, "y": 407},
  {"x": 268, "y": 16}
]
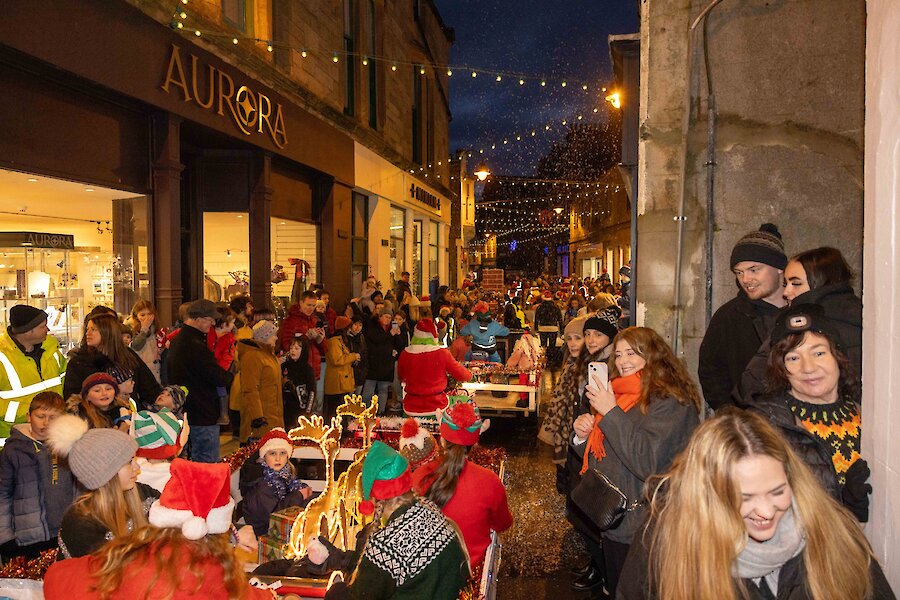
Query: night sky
[{"x": 559, "y": 41}]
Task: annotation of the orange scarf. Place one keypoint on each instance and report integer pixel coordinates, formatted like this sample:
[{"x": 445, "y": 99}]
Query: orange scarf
[{"x": 628, "y": 392}]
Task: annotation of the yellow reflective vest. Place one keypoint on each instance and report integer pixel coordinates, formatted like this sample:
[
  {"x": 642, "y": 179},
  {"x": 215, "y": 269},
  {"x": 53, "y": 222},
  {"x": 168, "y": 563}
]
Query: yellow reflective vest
[{"x": 20, "y": 380}]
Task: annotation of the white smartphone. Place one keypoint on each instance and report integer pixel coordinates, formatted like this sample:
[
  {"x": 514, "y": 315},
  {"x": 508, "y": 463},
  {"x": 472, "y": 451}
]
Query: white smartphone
[{"x": 600, "y": 372}]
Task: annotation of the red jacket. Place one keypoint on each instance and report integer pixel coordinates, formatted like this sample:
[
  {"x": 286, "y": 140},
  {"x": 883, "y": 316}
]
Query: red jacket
[
  {"x": 424, "y": 369},
  {"x": 223, "y": 347},
  {"x": 299, "y": 323},
  {"x": 478, "y": 505},
  {"x": 70, "y": 579}
]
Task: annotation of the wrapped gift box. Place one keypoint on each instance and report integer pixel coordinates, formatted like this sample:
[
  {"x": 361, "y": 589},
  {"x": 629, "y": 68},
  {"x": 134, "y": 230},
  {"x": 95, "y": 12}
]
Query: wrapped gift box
[
  {"x": 269, "y": 549},
  {"x": 280, "y": 523}
]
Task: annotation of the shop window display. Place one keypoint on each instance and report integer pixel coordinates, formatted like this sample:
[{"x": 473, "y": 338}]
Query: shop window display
[{"x": 66, "y": 247}]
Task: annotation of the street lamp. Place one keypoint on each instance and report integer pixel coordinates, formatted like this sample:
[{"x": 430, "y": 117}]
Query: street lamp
[
  {"x": 615, "y": 99},
  {"x": 482, "y": 172}
]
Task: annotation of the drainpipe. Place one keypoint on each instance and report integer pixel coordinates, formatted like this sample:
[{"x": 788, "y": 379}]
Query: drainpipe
[
  {"x": 710, "y": 172},
  {"x": 679, "y": 216}
]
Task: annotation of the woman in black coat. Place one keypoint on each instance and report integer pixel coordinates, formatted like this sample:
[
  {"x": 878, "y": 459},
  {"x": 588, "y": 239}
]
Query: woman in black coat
[
  {"x": 380, "y": 337},
  {"x": 103, "y": 351}
]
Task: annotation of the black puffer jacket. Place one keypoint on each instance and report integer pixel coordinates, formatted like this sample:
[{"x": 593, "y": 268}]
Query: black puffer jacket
[
  {"x": 842, "y": 306},
  {"x": 357, "y": 343},
  {"x": 380, "y": 345},
  {"x": 86, "y": 361},
  {"x": 734, "y": 335},
  {"x": 811, "y": 449}
]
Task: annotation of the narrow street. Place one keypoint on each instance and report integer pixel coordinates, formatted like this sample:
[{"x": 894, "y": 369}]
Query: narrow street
[{"x": 541, "y": 546}]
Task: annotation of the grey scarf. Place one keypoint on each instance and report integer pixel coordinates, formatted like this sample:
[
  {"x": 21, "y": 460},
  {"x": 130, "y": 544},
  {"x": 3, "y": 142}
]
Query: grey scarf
[{"x": 764, "y": 560}]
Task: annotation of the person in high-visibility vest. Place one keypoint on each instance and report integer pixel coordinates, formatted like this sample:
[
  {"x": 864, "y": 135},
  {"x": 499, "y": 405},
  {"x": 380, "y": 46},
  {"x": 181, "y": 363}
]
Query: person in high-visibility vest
[{"x": 30, "y": 362}]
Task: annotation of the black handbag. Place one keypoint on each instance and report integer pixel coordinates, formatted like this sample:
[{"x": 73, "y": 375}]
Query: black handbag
[{"x": 601, "y": 501}]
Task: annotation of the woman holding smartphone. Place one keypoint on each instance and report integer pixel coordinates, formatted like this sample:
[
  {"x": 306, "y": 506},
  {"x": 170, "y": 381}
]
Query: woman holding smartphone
[{"x": 642, "y": 418}]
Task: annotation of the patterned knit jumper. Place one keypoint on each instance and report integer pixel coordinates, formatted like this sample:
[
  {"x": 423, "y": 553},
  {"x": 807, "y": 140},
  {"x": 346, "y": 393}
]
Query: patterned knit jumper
[{"x": 836, "y": 425}]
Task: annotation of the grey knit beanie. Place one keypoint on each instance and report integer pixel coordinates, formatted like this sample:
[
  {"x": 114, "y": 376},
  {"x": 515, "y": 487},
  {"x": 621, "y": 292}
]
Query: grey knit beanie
[
  {"x": 95, "y": 455},
  {"x": 762, "y": 246}
]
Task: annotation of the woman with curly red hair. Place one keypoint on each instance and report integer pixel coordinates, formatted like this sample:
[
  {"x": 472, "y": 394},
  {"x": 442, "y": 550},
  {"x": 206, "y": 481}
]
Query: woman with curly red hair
[{"x": 472, "y": 496}]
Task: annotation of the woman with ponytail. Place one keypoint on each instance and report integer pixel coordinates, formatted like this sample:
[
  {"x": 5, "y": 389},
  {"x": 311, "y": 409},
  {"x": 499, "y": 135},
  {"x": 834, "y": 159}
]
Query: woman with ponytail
[
  {"x": 472, "y": 496},
  {"x": 642, "y": 419},
  {"x": 740, "y": 516}
]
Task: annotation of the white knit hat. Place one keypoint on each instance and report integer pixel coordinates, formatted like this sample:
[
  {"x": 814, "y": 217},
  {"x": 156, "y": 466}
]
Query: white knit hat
[{"x": 196, "y": 499}]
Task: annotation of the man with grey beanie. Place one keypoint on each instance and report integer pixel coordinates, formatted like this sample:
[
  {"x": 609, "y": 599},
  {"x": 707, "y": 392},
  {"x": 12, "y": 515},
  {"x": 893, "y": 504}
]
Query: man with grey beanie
[{"x": 740, "y": 326}]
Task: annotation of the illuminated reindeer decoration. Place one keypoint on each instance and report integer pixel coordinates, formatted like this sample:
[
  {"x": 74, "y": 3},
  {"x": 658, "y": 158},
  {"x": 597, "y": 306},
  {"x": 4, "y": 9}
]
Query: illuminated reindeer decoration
[
  {"x": 349, "y": 484},
  {"x": 321, "y": 516}
]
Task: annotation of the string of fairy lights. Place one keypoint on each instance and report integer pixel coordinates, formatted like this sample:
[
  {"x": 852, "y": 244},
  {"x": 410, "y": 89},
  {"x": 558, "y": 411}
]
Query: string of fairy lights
[{"x": 503, "y": 212}]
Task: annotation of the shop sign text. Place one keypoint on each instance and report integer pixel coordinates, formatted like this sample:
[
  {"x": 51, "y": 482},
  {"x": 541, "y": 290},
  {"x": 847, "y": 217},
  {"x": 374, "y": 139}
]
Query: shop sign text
[
  {"x": 214, "y": 90},
  {"x": 424, "y": 197},
  {"x": 34, "y": 239}
]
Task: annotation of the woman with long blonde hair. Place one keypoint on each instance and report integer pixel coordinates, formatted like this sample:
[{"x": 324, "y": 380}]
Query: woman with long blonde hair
[
  {"x": 740, "y": 516},
  {"x": 102, "y": 460},
  {"x": 185, "y": 552},
  {"x": 642, "y": 418}
]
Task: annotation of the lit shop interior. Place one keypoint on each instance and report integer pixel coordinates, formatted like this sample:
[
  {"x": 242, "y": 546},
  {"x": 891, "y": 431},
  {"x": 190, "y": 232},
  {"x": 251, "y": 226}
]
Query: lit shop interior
[{"x": 66, "y": 247}]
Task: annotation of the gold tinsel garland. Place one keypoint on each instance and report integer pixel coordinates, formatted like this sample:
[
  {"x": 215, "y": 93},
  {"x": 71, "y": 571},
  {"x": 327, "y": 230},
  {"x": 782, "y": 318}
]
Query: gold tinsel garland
[{"x": 19, "y": 568}]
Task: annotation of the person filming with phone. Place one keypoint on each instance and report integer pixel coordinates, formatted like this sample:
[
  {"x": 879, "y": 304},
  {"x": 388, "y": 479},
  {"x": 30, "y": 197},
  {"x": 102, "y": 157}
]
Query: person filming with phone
[{"x": 641, "y": 418}]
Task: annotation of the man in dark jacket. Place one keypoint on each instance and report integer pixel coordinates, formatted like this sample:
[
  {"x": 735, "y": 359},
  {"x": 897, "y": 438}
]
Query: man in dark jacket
[
  {"x": 193, "y": 365},
  {"x": 740, "y": 325},
  {"x": 549, "y": 322}
]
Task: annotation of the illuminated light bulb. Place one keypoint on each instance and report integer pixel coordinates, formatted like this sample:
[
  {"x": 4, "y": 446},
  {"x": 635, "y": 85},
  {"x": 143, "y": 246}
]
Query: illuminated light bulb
[
  {"x": 269, "y": 47},
  {"x": 564, "y": 84},
  {"x": 518, "y": 138},
  {"x": 181, "y": 26},
  {"x": 303, "y": 53},
  {"x": 564, "y": 122},
  {"x": 499, "y": 78},
  {"x": 579, "y": 117},
  {"x": 184, "y": 1},
  {"x": 234, "y": 41},
  {"x": 474, "y": 74},
  {"x": 615, "y": 99},
  {"x": 449, "y": 73},
  {"x": 481, "y": 151},
  {"x": 602, "y": 89},
  {"x": 521, "y": 82},
  {"x": 532, "y": 133},
  {"x": 546, "y": 127},
  {"x": 584, "y": 87},
  {"x": 596, "y": 109},
  {"x": 439, "y": 163},
  {"x": 197, "y": 32},
  {"x": 334, "y": 57},
  {"x": 493, "y": 146},
  {"x": 543, "y": 84},
  {"x": 421, "y": 70},
  {"x": 183, "y": 15},
  {"x": 505, "y": 142},
  {"x": 365, "y": 62},
  {"x": 394, "y": 67}
]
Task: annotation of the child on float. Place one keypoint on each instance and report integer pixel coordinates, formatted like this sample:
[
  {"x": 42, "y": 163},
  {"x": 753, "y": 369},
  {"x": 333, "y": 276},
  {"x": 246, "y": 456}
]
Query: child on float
[
  {"x": 269, "y": 483},
  {"x": 484, "y": 331},
  {"x": 417, "y": 444},
  {"x": 100, "y": 403},
  {"x": 160, "y": 437},
  {"x": 36, "y": 487},
  {"x": 184, "y": 553},
  {"x": 403, "y": 525},
  {"x": 469, "y": 494},
  {"x": 102, "y": 460}
]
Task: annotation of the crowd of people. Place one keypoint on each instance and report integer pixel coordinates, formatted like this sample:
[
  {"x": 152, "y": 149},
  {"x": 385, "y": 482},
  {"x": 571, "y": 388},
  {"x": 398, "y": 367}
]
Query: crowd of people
[{"x": 748, "y": 485}]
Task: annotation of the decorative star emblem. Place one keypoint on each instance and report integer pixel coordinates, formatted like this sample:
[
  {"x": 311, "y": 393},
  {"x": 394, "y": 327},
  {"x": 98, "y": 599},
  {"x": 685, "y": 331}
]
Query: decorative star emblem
[{"x": 246, "y": 108}]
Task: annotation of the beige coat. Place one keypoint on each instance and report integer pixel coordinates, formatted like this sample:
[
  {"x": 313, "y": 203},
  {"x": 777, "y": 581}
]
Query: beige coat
[{"x": 259, "y": 385}]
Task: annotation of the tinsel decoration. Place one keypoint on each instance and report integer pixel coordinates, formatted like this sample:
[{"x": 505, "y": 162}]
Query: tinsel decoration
[{"x": 19, "y": 568}]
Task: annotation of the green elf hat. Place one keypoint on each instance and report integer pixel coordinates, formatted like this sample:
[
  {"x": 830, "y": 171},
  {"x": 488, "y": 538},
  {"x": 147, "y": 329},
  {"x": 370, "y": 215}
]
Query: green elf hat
[
  {"x": 461, "y": 422},
  {"x": 385, "y": 475}
]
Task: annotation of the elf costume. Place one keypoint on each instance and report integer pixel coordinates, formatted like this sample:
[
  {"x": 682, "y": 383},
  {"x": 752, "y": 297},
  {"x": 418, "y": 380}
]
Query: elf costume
[
  {"x": 484, "y": 331},
  {"x": 478, "y": 504},
  {"x": 415, "y": 553},
  {"x": 423, "y": 367}
]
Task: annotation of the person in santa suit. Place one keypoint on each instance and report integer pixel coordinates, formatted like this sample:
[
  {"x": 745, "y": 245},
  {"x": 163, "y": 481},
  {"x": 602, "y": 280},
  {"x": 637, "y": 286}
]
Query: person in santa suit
[
  {"x": 186, "y": 553},
  {"x": 469, "y": 494},
  {"x": 423, "y": 366}
]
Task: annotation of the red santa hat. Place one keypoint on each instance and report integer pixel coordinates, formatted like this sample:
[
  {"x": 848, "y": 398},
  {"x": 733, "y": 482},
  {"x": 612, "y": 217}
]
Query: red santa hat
[
  {"x": 547, "y": 293},
  {"x": 274, "y": 440},
  {"x": 425, "y": 332},
  {"x": 196, "y": 499},
  {"x": 461, "y": 423}
]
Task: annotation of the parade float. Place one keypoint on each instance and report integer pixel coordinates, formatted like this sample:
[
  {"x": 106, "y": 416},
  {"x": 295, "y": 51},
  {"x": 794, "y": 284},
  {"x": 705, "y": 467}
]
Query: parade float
[{"x": 334, "y": 513}]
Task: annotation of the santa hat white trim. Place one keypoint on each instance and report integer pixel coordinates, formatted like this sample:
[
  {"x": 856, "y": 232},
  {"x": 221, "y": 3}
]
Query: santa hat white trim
[
  {"x": 422, "y": 348},
  {"x": 193, "y": 527},
  {"x": 276, "y": 441}
]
